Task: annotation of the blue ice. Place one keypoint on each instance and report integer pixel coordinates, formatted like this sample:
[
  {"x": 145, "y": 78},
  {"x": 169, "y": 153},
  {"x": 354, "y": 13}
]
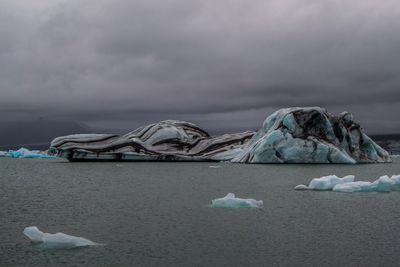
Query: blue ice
[{"x": 26, "y": 153}]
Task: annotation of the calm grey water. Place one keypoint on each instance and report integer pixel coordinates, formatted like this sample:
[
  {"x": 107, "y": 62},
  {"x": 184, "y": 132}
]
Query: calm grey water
[{"x": 157, "y": 214}]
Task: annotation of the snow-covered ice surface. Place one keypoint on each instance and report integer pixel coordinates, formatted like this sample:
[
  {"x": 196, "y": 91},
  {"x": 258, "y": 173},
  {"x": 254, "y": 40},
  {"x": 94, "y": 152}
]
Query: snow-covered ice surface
[
  {"x": 24, "y": 153},
  {"x": 348, "y": 185},
  {"x": 232, "y": 202},
  {"x": 58, "y": 240}
]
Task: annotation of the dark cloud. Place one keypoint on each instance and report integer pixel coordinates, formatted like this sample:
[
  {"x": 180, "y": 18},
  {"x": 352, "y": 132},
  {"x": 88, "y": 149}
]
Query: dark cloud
[{"x": 223, "y": 64}]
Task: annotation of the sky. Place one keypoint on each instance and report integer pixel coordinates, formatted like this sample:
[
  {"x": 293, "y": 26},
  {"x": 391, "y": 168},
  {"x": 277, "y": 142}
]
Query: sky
[{"x": 224, "y": 65}]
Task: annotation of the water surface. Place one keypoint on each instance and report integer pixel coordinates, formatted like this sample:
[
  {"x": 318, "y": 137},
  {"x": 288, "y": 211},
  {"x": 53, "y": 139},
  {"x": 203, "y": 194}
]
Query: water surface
[{"x": 158, "y": 214}]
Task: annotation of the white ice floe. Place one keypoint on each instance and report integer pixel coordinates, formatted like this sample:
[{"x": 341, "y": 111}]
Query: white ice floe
[
  {"x": 230, "y": 201},
  {"x": 348, "y": 185},
  {"x": 382, "y": 184},
  {"x": 3, "y": 153},
  {"x": 325, "y": 182},
  {"x": 26, "y": 153},
  {"x": 301, "y": 187},
  {"x": 58, "y": 240},
  {"x": 214, "y": 166}
]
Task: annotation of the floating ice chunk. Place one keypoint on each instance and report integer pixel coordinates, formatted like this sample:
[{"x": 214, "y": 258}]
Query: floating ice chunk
[
  {"x": 230, "y": 201},
  {"x": 214, "y": 166},
  {"x": 347, "y": 184},
  {"x": 358, "y": 186},
  {"x": 3, "y": 153},
  {"x": 396, "y": 180},
  {"x": 301, "y": 187},
  {"x": 58, "y": 240},
  {"x": 26, "y": 153},
  {"x": 382, "y": 184},
  {"x": 326, "y": 182},
  {"x": 34, "y": 234}
]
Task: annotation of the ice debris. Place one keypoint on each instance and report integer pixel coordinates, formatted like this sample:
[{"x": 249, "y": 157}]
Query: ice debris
[
  {"x": 214, "y": 166},
  {"x": 230, "y": 201},
  {"x": 58, "y": 240},
  {"x": 26, "y": 153},
  {"x": 348, "y": 185},
  {"x": 325, "y": 182}
]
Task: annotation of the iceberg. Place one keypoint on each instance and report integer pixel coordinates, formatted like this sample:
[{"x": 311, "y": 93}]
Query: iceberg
[
  {"x": 58, "y": 240},
  {"x": 311, "y": 135},
  {"x": 291, "y": 135},
  {"x": 168, "y": 140},
  {"x": 348, "y": 185},
  {"x": 26, "y": 153},
  {"x": 326, "y": 182},
  {"x": 230, "y": 201}
]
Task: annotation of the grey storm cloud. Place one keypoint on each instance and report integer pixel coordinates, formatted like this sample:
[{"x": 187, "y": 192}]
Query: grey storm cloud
[{"x": 223, "y": 64}]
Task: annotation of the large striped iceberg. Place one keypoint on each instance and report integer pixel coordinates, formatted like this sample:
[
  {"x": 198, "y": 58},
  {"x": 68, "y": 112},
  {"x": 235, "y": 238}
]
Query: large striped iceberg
[{"x": 292, "y": 135}]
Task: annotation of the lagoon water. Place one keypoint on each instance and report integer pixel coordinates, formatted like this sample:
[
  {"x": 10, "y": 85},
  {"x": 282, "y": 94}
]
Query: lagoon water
[{"x": 158, "y": 214}]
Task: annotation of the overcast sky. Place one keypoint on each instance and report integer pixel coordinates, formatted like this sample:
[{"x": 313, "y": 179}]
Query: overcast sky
[{"x": 225, "y": 65}]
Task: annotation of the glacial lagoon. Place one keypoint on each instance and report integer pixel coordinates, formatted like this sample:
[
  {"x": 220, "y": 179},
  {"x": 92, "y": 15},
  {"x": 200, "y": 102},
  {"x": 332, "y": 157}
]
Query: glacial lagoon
[{"x": 159, "y": 214}]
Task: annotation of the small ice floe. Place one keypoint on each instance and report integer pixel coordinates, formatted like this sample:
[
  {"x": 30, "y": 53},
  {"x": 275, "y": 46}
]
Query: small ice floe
[
  {"x": 3, "y": 153},
  {"x": 301, "y": 187},
  {"x": 230, "y": 201},
  {"x": 348, "y": 185},
  {"x": 58, "y": 240},
  {"x": 214, "y": 166},
  {"x": 325, "y": 182},
  {"x": 395, "y": 156},
  {"x": 26, "y": 153}
]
